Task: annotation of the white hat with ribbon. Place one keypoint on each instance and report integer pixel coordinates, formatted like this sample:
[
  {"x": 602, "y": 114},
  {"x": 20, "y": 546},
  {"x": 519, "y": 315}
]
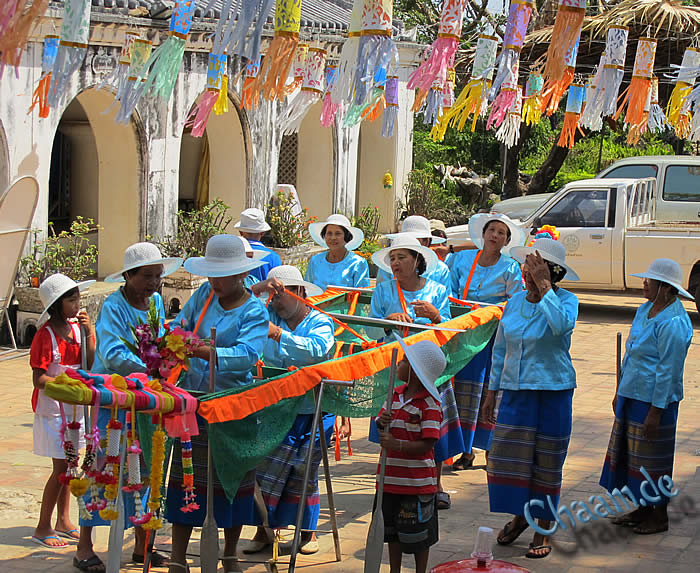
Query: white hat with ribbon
[
  {"x": 666, "y": 271},
  {"x": 480, "y": 220},
  {"x": 315, "y": 230},
  {"x": 54, "y": 287},
  {"x": 405, "y": 241},
  {"x": 291, "y": 276},
  {"x": 225, "y": 256},
  {"x": 550, "y": 250},
  {"x": 252, "y": 221},
  {"x": 419, "y": 227},
  {"x": 143, "y": 255},
  {"x": 427, "y": 361}
]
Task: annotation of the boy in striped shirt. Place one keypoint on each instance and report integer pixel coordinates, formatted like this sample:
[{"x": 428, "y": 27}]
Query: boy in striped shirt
[{"x": 410, "y": 429}]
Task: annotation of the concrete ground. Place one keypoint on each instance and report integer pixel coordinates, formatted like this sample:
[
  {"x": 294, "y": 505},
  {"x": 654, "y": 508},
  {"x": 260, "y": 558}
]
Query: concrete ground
[{"x": 590, "y": 548}]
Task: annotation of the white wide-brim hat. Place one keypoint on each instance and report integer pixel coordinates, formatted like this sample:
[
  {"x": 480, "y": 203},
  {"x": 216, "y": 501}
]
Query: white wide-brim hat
[
  {"x": 550, "y": 250},
  {"x": 427, "y": 361},
  {"x": 405, "y": 241},
  {"x": 478, "y": 222},
  {"x": 291, "y": 276},
  {"x": 341, "y": 221},
  {"x": 143, "y": 255},
  {"x": 253, "y": 221},
  {"x": 666, "y": 271},
  {"x": 225, "y": 256},
  {"x": 54, "y": 287},
  {"x": 418, "y": 226}
]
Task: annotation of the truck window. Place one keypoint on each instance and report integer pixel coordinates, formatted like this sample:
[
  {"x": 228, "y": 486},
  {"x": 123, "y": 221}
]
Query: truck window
[
  {"x": 682, "y": 183},
  {"x": 584, "y": 208},
  {"x": 631, "y": 172}
]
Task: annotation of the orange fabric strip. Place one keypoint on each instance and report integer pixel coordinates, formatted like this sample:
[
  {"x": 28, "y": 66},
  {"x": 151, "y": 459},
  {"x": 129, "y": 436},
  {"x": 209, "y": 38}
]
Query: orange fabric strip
[
  {"x": 204, "y": 311},
  {"x": 351, "y": 311},
  {"x": 471, "y": 274},
  {"x": 402, "y": 300}
]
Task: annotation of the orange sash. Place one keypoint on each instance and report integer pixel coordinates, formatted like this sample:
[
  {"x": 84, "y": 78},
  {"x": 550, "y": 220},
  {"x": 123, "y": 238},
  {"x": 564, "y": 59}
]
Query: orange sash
[{"x": 469, "y": 278}]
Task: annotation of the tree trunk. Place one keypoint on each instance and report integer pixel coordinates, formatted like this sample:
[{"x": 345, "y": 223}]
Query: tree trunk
[
  {"x": 512, "y": 187},
  {"x": 548, "y": 170}
]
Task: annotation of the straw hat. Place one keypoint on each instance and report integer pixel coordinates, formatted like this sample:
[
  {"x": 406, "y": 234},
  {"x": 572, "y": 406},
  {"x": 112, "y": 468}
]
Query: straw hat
[
  {"x": 54, "y": 287},
  {"x": 341, "y": 221},
  {"x": 291, "y": 276},
  {"x": 143, "y": 255},
  {"x": 252, "y": 221},
  {"x": 225, "y": 256},
  {"x": 478, "y": 222},
  {"x": 550, "y": 250},
  {"x": 666, "y": 271},
  {"x": 405, "y": 241},
  {"x": 437, "y": 225},
  {"x": 427, "y": 361},
  {"x": 419, "y": 227}
]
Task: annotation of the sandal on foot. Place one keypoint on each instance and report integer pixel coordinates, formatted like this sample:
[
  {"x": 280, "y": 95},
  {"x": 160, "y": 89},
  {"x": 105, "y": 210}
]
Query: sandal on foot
[
  {"x": 92, "y": 565},
  {"x": 42, "y": 541},
  {"x": 531, "y": 554},
  {"x": 309, "y": 548},
  {"x": 463, "y": 463},
  {"x": 157, "y": 559},
  {"x": 256, "y": 546},
  {"x": 511, "y": 532},
  {"x": 231, "y": 564},
  {"x": 69, "y": 534},
  {"x": 443, "y": 500},
  {"x": 650, "y": 527}
]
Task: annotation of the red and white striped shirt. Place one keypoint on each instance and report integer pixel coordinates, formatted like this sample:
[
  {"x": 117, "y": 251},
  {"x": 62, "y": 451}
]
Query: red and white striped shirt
[{"x": 417, "y": 418}]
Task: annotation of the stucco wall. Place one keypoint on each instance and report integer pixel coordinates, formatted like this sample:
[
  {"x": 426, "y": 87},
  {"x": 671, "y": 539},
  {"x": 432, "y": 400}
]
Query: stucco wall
[{"x": 315, "y": 164}]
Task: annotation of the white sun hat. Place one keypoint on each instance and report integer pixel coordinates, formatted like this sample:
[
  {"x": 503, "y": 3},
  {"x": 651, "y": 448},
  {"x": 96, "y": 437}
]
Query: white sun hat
[
  {"x": 550, "y": 250},
  {"x": 143, "y": 255},
  {"x": 291, "y": 276},
  {"x": 252, "y": 221},
  {"x": 405, "y": 241},
  {"x": 225, "y": 256},
  {"x": 427, "y": 361},
  {"x": 341, "y": 221},
  {"x": 419, "y": 227},
  {"x": 246, "y": 245},
  {"x": 478, "y": 222},
  {"x": 54, "y": 287},
  {"x": 667, "y": 271}
]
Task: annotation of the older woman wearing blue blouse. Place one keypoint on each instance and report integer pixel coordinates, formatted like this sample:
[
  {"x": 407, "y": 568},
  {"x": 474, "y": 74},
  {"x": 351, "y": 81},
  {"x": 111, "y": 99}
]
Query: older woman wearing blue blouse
[
  {"x": 533, "y": 369},
  {"x": 650, "y": 388}
]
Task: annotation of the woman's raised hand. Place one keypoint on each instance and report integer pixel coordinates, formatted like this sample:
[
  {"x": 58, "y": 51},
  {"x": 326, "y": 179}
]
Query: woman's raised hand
[
  {"x": 426, "y": 310},
  {"x": 272, "y": 286}
]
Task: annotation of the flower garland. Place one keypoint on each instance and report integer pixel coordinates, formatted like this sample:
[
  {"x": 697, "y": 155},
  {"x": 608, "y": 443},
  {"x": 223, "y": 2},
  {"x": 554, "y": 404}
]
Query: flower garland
[
  {"x": 545, "y": 232},
  {"x": 157, "y": 461},
  {"x": 108, "y": 477},
  {"x": 89, "y": 467},
  {"x": 133, "y": 457},
  {"x": 188, "y": 476}
]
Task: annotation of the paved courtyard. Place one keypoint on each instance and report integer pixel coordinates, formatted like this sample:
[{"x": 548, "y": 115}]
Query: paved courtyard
[{"x": 590, "y": 548}]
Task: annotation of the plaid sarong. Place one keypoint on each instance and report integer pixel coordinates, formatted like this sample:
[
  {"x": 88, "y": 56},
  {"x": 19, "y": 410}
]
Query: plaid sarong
[
  {"x": 528, "y": 450},
  {"x": 629, "y": 452},
  {"x": 281, "y": 474},
  {"x": 451, "y": 442}
]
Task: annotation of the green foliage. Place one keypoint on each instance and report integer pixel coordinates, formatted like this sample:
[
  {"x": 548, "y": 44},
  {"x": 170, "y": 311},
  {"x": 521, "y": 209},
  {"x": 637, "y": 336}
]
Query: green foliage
[
  {"x": 424, "y": 196},
  {"x": 194, "y": 229},
  {"x": 368, "y": 222},
  {"x": 70, "y": 252},
  {"x": 286, "y": 229}
]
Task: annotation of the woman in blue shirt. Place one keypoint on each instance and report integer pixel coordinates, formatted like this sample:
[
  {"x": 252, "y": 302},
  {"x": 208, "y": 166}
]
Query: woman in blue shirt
[
  {"x": 298, "y": 336},
  {"x": 650, "y": 388},
  {"x": 241, "y": 322},
  {"x": 533, "y": 370},
  {"x": 487, "y": 275},
  {"x": 339, "y": 265}
]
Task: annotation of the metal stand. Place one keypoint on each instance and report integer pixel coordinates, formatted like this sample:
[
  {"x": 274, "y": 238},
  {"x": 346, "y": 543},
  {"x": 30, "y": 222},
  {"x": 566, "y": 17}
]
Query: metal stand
[{"x": 13, "y": 350}]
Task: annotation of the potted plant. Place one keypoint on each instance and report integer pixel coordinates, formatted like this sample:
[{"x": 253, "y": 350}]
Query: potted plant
[
  {"x": 289, "y": 232},
  {"x": 368, "y": 222}
]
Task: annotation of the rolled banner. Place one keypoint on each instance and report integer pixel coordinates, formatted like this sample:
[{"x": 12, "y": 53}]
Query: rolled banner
[
  {"x": 139, "y": 53},
  {"x": 519, "y": 14},
  {"x": 274, "y": 71},
  {"x": 313, "y": 77},
  {"x": 199, "y": 116},
  {"x": 251, "y": 72},
  {"x": 685, "y": 79},
  {"x": 604, "y": 99},
  {"x": 42, "y": 90},
  {"x": 330, "y": 108},
  {"x": 75, "y": 33},
  {"x": 117, "y": 80},
  {"x": 505, "y": 99},
  {"x": 448, "y": 101},
  {"x": 565, "y": 34},
  {"x": 532, "y": 100},
  {"x": 345, "y": 80},
  {"x": 552, "y": 92},
  {"x": 392, "y": 106},
  {"x": 574, "y": 106},
  {"x": 432, "y": 71},
  {"x": 636, "y": 96},
  {"x": 15, "y": 26},
  {"x": 509, "y": 131}
]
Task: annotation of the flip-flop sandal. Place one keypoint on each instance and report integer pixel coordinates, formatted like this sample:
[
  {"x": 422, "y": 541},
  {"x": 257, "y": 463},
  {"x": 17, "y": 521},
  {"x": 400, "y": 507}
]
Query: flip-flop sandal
[
  {"x": 532, "y": 555},
  {"x": 92, "y": 565},
  {"x": 68, "y": 534},
  {"x": 649, "y": 529},
  {"x": 42, "y": 541},
  {"x": 463, "y": 463},
  {"x": 443, "y": 500},
  {"x": 511, "y": 533}
]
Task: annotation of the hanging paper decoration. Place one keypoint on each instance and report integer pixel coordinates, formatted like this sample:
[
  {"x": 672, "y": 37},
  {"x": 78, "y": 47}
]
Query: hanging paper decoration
[
  {"x": 594, "y": 79},
  {"x": 532, "y": 101},
  {"x": 516, "y": 28},
  {"x": 371, "y": 107},
  {"x": 376, "y": 104},
  {"x": 15, "y": 28},
  {"x": 330, "y": 108},
  {"x": 392, "y": 106},
  {"x": 311, "y": 89},
  {"x": 298, "y": 69},
  {"x": 272, "y": 77},
  {"x": 685, "y": 79},
  {"x": 505, "y": 100},
  {"x": 75, "y": 32},
  {"x": 448, "y": 101},
  {"x": 509, "y": 132},
  {"x": 604, "y": 100},
  {"x": 199, "y": 116},
  {"x": 565, "y": 34},
  {"x": 433, "y": 104},
  {"x": 552, "y": 92},
  {"x": 475, "y": 93},
  {"x": 343, "y": 85},
  {"x": 42, "y": 90},
  {"x": 574, "y": 106},
  {"x": 636, "y": 96},
  {"x": 657, "y": 119},
  {"x": 118, "y": 79},
  {"x": 139, "y": 53},
  {"x": 432, "y": 71},
  {"x": 241, "y": 32},
  {"x": 166, "y": 60},
  {"x": 248, "y": 99}
]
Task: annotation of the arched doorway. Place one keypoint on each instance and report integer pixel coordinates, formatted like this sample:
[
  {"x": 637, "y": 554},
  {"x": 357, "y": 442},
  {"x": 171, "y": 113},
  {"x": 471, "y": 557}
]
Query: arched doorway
[
  {"x": 315, "y": 164},
  {"x": 97, "y": 172},
  {"x": 215, "y": 166}
]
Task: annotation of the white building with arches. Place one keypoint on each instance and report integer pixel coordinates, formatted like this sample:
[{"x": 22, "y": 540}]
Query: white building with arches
[{"x": 131, "y": 179}]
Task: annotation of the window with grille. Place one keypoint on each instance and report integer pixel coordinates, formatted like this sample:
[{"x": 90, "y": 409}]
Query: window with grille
[{"x": 287, "y": 166}]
